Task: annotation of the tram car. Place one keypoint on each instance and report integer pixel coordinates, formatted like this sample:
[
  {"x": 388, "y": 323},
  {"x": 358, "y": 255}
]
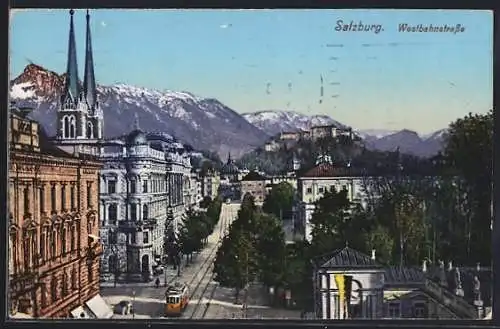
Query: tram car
[{"x": 177, "y": 298}]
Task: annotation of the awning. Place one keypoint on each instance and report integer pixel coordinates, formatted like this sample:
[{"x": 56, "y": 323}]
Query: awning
[
  {"x": 99, "y": 307},
  {"x": 81, "y": 313},
  {"x": 20, "y": 315}
]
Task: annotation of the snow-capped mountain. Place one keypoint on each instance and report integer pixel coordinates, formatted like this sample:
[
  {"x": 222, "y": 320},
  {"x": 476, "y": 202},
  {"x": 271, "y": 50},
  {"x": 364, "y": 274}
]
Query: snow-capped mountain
[
  {"x": 274, "y": 122},
  {"x": 202, "y": 122}
]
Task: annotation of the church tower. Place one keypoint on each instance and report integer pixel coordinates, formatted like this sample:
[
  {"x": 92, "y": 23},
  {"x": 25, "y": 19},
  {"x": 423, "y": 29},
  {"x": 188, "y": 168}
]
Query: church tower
[{"x": 79, "y": 118}]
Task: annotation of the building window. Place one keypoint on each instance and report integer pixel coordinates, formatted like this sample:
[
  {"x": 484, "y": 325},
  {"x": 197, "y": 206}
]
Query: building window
[
  {"x": 13, "y": 252},
  {"x": 133, "y": 212},
  {"x": 145, "y": 237},
  {"x": 419, "y": 310},
  {"x": 41, "y": 199},
  {"x": 89, "y": 194},
  {"x": 112, "y": 237},
  {"x": 332, "y": 188},
  {"x": 73, "y": 237},
  {"x": 320, "y": 190},
  {"x": 145, "y": 212},
  {"x": 74, "y": 278},
  {"x": 111, "y": 187},
  {"x": 394, "y": 310},
  {"x": 53, "y": 289},
  {"x": 309, "y": 190},
  {"x": 53, "y": 198},
  {"x": 112, "y": 213},
  {"x": 43, "y": 242},
  {"x": 90, "y": 274},
  {"x": 45, "y": 301},
  {"x": 63, "y": 197},
  {"x": 72, "y": 197},
  {"x": 26, "y": 201},
  {"x": 65, "y": 284},
  {"x": 145, "y": 186},
  {"x": 132, "y": 238},
  {"x": 132, "y": 186},
  {"x": 53, "y": 244},
  {"x": 64, "y": 242}
]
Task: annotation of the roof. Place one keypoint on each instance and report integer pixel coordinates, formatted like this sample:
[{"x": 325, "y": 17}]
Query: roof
[
  {"x": 253, "y": 176},
  {"x": 397, "y": 275},
  {"x": 229, "y": 168},
  {"x": 346, "y": 258},
  {"x": 329, "y": 170}
]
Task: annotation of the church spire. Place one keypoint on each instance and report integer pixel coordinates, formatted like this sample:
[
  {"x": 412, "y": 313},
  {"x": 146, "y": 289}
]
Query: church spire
[
  {"x": 89, "y": 86},
  {"x": 71, "y": 88},
  {"x": 229, "y": 158}
]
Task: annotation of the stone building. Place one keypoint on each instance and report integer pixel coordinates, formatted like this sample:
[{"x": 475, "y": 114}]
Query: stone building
[
  {"x": 54, "y": 247},
  {"x": 142, "y": 181},
  {"x": 349, "y": 284},
  {"x": 145, "y": 177},
  {"x": 254, "y": 184},
  {"x": 326, "y": 176}
]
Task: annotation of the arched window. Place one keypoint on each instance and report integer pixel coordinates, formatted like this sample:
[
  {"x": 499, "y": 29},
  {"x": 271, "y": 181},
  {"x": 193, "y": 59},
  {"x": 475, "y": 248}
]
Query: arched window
[
  {"x": 90, "y": 130},
  {"x": 112, "y": 261},
  {"x": 72, "y": 127},
  {"x": 65, "y": 127},
  {"x": 145, "y": 212},
  {"x": 112, "y": 213},
  {"x": 112, "y": 237}
]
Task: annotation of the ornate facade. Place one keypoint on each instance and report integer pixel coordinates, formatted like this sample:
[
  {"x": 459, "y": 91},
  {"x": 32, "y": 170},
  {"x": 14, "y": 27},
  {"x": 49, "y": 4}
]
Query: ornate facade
[
  {"x": 143, "y": 179},
  {"x": 54, "y": 247}
]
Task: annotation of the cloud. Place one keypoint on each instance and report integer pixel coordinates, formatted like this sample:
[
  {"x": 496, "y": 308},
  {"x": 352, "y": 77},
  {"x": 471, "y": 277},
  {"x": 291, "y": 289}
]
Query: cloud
[
  {"x": 225, "y": 26},
  {"x": 103, "y": 24}
]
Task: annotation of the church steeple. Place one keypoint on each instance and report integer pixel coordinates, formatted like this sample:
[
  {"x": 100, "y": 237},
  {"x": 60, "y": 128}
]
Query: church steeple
[
  {"x": 72, "y": 87},
  {"x": 89, "y": 87}
]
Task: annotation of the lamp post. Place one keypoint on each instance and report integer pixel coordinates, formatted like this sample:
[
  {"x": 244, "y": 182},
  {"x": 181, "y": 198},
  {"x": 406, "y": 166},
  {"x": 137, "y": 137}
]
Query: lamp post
[{"x": 133, "y": 302}]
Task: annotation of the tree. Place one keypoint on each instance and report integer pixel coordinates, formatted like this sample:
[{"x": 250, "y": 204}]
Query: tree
[
  {"x": 235, "y": 265},
  {"x": 329, "y": 220},
  {"x": 468, "y": 150},
  {"x": 270, "y": 245},
  {"x": 279, "y": 200},
  {"x": 192, "y": 233},
  {"x": 381, "y": 240}
]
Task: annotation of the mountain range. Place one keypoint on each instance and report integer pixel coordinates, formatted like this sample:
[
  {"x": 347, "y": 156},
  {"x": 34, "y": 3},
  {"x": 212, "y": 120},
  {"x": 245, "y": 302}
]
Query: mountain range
[
  {"x": 274, "y": 122},
  {"x": 204, "y": 123}
]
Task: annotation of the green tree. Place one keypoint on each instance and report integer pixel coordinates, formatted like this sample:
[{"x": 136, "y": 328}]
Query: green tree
[
  {"x": 191, "y": 233},
  {"x": 270, "y": 247},
  {"x": 279, "y": 200},
  {"x": 468, "y": 149},
  {"x": 235, "y": 265},
  {"x": 328, "y": 221},
  {"x": 381, "y": 240}
]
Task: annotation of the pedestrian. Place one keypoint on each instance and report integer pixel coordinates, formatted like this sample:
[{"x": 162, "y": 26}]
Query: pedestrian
[{"x": 157, "y": 282}]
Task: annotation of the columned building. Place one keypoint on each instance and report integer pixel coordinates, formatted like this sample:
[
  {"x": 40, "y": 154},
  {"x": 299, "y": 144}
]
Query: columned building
[
  {"x": 54, "y": 247},
  {"x": 143, "y": 179}
]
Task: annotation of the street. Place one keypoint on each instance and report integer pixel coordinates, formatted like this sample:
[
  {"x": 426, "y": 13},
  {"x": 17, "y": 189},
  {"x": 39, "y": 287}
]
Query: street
[{"x": 207, "y": 299}]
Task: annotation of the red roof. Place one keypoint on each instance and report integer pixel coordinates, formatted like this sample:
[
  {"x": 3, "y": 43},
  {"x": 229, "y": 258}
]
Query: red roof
[{"x": 327, "y": 170}]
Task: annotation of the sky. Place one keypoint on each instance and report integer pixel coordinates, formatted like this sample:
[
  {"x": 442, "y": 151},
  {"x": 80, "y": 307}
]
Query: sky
[{"x": 257, "y": 60}]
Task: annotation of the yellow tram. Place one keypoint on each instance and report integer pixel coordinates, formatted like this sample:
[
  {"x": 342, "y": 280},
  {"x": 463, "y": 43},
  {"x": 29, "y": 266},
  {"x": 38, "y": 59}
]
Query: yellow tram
[{"x": 177, "y": 298}]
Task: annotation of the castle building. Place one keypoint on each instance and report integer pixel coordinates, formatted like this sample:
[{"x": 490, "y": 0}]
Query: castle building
[
  {"x": 144, "y": 176},
  {"x": 54, "y": 247}
]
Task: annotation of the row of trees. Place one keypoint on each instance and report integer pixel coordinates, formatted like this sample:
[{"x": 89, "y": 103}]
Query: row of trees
[{"x": 193, "y": 231}]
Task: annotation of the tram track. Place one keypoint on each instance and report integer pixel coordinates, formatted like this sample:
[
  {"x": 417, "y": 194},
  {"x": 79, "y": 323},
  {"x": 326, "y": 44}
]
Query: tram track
[{"x": 210, "y": 280}]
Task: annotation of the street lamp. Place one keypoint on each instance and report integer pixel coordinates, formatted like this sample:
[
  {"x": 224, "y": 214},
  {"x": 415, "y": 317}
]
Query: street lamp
[{"x": 133, "y": 302}]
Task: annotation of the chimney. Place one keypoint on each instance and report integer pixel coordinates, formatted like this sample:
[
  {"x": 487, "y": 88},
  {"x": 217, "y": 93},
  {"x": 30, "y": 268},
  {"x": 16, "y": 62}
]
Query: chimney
[
  {"x": 450, "y": 265},
  {"x": 424, "y": 266},
  {"x": 373, "y": 254}
]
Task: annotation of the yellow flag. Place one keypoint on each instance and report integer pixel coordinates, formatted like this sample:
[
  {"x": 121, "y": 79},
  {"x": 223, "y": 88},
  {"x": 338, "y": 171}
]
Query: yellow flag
[{"x": 340, "y": 281}]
